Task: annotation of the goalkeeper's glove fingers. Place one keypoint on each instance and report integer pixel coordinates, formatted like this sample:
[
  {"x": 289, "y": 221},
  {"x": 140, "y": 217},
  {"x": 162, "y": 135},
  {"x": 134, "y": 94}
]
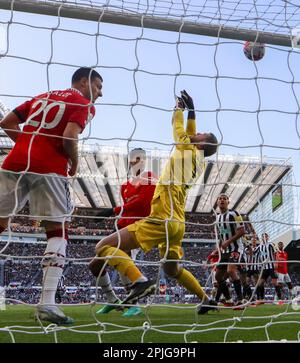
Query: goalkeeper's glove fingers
[
  {"x": 180, "y": 104},
  {"x": 187, "y": 99}
]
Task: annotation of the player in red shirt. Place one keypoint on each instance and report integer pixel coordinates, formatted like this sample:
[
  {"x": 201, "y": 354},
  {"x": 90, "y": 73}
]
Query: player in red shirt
[
  {"x": 137, "y": 193},
  {"x": 281, "y": 268},
  {"x": 36, "y": 169}
]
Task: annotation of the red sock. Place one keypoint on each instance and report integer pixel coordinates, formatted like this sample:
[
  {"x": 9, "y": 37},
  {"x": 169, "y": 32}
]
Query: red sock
[{"x": 58, "y": 233}]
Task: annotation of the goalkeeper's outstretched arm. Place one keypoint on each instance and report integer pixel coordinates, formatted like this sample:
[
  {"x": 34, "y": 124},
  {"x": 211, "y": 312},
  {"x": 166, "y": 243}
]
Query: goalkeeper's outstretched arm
[{"x": 187, "y": 139}]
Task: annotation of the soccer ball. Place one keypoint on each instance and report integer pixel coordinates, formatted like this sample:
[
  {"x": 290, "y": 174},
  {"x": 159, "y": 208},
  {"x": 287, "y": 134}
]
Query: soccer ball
[
  {"x": 296, "y": 303},
  {"x": 254, "y": 51}
]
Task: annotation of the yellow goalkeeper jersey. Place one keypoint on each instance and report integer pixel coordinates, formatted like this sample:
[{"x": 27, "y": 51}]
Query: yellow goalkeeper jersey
[{"x": 182, "y": 170}]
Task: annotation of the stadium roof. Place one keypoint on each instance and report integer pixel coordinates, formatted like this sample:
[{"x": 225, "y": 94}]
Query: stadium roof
[{"x": 243, "y": 178}]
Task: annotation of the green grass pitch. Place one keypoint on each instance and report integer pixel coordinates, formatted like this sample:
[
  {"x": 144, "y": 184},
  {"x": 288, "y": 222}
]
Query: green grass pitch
[{"x": 163, "y": 325}]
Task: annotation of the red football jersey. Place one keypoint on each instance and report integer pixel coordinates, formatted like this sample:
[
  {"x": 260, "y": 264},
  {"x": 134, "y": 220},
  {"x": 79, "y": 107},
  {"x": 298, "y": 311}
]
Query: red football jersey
[
  {"x": 137, "y": 194},
  {"x": 213, "y": 258},
  {"x": 282, "y": 267},
  {"x": 47, "y": 115}
]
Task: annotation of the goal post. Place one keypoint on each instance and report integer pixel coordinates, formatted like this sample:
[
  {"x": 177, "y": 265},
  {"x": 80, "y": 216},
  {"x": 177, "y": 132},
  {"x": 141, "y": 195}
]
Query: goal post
[{"x": 176, "y": 23}]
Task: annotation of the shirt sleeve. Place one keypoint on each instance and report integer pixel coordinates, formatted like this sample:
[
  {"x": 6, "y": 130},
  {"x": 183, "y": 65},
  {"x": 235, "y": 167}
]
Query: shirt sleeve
[
  {"x": 140, "y": 202},
  {"x": 82, "y": 115},
  {"x": 238, "y": 220},
  {"x": 191, "y": 127},
  {"x": 180, "y": 135},
  {"x": 23, "y": 110}
]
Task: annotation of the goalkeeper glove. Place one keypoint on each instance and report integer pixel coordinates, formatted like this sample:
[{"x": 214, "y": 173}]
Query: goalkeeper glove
[
  {"x": 188, "y": 101},
  {"x": 179, "y": 103},
  {"x": 105, "y": 212}
]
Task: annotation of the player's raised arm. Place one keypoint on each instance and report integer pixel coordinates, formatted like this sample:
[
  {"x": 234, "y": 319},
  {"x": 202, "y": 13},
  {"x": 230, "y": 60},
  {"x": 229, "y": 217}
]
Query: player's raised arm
[
  {"x": 191, "y": 122},
  {"x": 180, "y": 135}
]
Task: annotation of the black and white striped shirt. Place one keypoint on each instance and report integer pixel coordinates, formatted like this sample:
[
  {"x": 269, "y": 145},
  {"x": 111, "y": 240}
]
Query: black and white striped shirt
[
  {"x": 255, "y": 259},
  {"x": 227, "y": 224},
  {"x": 267, "y": 253},
  {"x": 61, "y": 282}
]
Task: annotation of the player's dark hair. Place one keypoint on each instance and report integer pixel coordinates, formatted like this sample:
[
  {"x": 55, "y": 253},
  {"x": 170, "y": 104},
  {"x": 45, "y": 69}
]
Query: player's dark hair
[
  {"x": 211, "y": 148},
  {"x": 85, "y": 72},
  {"x": 139, "y": 151},
  {"x": 223, "y": 195}
]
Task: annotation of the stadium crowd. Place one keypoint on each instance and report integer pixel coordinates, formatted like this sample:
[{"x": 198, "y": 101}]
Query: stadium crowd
[
  {"x": 23, "y": 274},
  {"x": 86, "y": 223}
]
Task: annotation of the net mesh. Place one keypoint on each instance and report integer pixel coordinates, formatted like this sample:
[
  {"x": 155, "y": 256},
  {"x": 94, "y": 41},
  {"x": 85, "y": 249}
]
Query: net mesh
[{"x": 253, "y": 107}]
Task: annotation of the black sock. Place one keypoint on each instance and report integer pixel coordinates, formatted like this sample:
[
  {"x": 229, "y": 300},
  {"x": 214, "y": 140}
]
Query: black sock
[
  {"x": 278, "y": 292},
  {"x": 219, "y": 293},
  {"x": 247, "y": 292},
  {"x": 224, "y": 289},
  {"x": 238, "y": 289},
  {"x": 260, "y": 292}
]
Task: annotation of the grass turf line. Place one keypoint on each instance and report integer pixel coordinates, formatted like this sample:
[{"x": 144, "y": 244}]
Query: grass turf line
[{"x": 117, "y": 329}]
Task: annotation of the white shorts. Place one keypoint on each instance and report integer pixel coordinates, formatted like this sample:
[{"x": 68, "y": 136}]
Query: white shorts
[
  {"x": 48, "y": 195},
  {"x": 283, "y": 278}
]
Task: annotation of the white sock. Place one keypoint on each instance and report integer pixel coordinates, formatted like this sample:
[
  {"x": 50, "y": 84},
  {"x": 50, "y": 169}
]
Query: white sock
[
  {"x": 134, "y": 253},
  {"x": 50, "y": 281},
  {"x": 52, "y": 273},
  {"x": 141, "y": 279},
  {"x": 126, "y": 282},
  {"x": 105, "y": 283},
  {"x": 214, "y": 292}
]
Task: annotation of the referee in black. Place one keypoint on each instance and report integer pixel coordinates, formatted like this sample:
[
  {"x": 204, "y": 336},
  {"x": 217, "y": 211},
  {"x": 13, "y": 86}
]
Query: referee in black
[{"x": 230, "y": 230}]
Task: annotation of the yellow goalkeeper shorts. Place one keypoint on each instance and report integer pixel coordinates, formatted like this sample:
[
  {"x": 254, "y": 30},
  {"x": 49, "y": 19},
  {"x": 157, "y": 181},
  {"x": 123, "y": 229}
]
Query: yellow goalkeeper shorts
[{"x": 150, "y": 234}]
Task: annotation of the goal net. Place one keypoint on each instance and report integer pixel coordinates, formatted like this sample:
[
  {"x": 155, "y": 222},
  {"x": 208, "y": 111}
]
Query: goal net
[{"x": 147, "y": 52}]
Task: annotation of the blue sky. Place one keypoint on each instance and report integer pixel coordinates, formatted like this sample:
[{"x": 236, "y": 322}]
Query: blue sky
[{"x": 141, "y": 79}]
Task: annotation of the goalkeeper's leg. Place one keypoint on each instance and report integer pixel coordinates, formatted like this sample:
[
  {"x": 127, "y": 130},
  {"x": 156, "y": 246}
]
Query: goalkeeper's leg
[
  {"x": 133, "y": 310},
  {"x": 187, "y": 280},
  {"x": 105, "y": 283},
  {"x": 110, "y": 250}
]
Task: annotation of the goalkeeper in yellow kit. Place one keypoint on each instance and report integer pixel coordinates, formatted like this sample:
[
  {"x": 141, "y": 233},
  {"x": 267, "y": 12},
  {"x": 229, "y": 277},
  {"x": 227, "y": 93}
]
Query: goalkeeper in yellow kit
[{"x": 165, "y": 226}]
